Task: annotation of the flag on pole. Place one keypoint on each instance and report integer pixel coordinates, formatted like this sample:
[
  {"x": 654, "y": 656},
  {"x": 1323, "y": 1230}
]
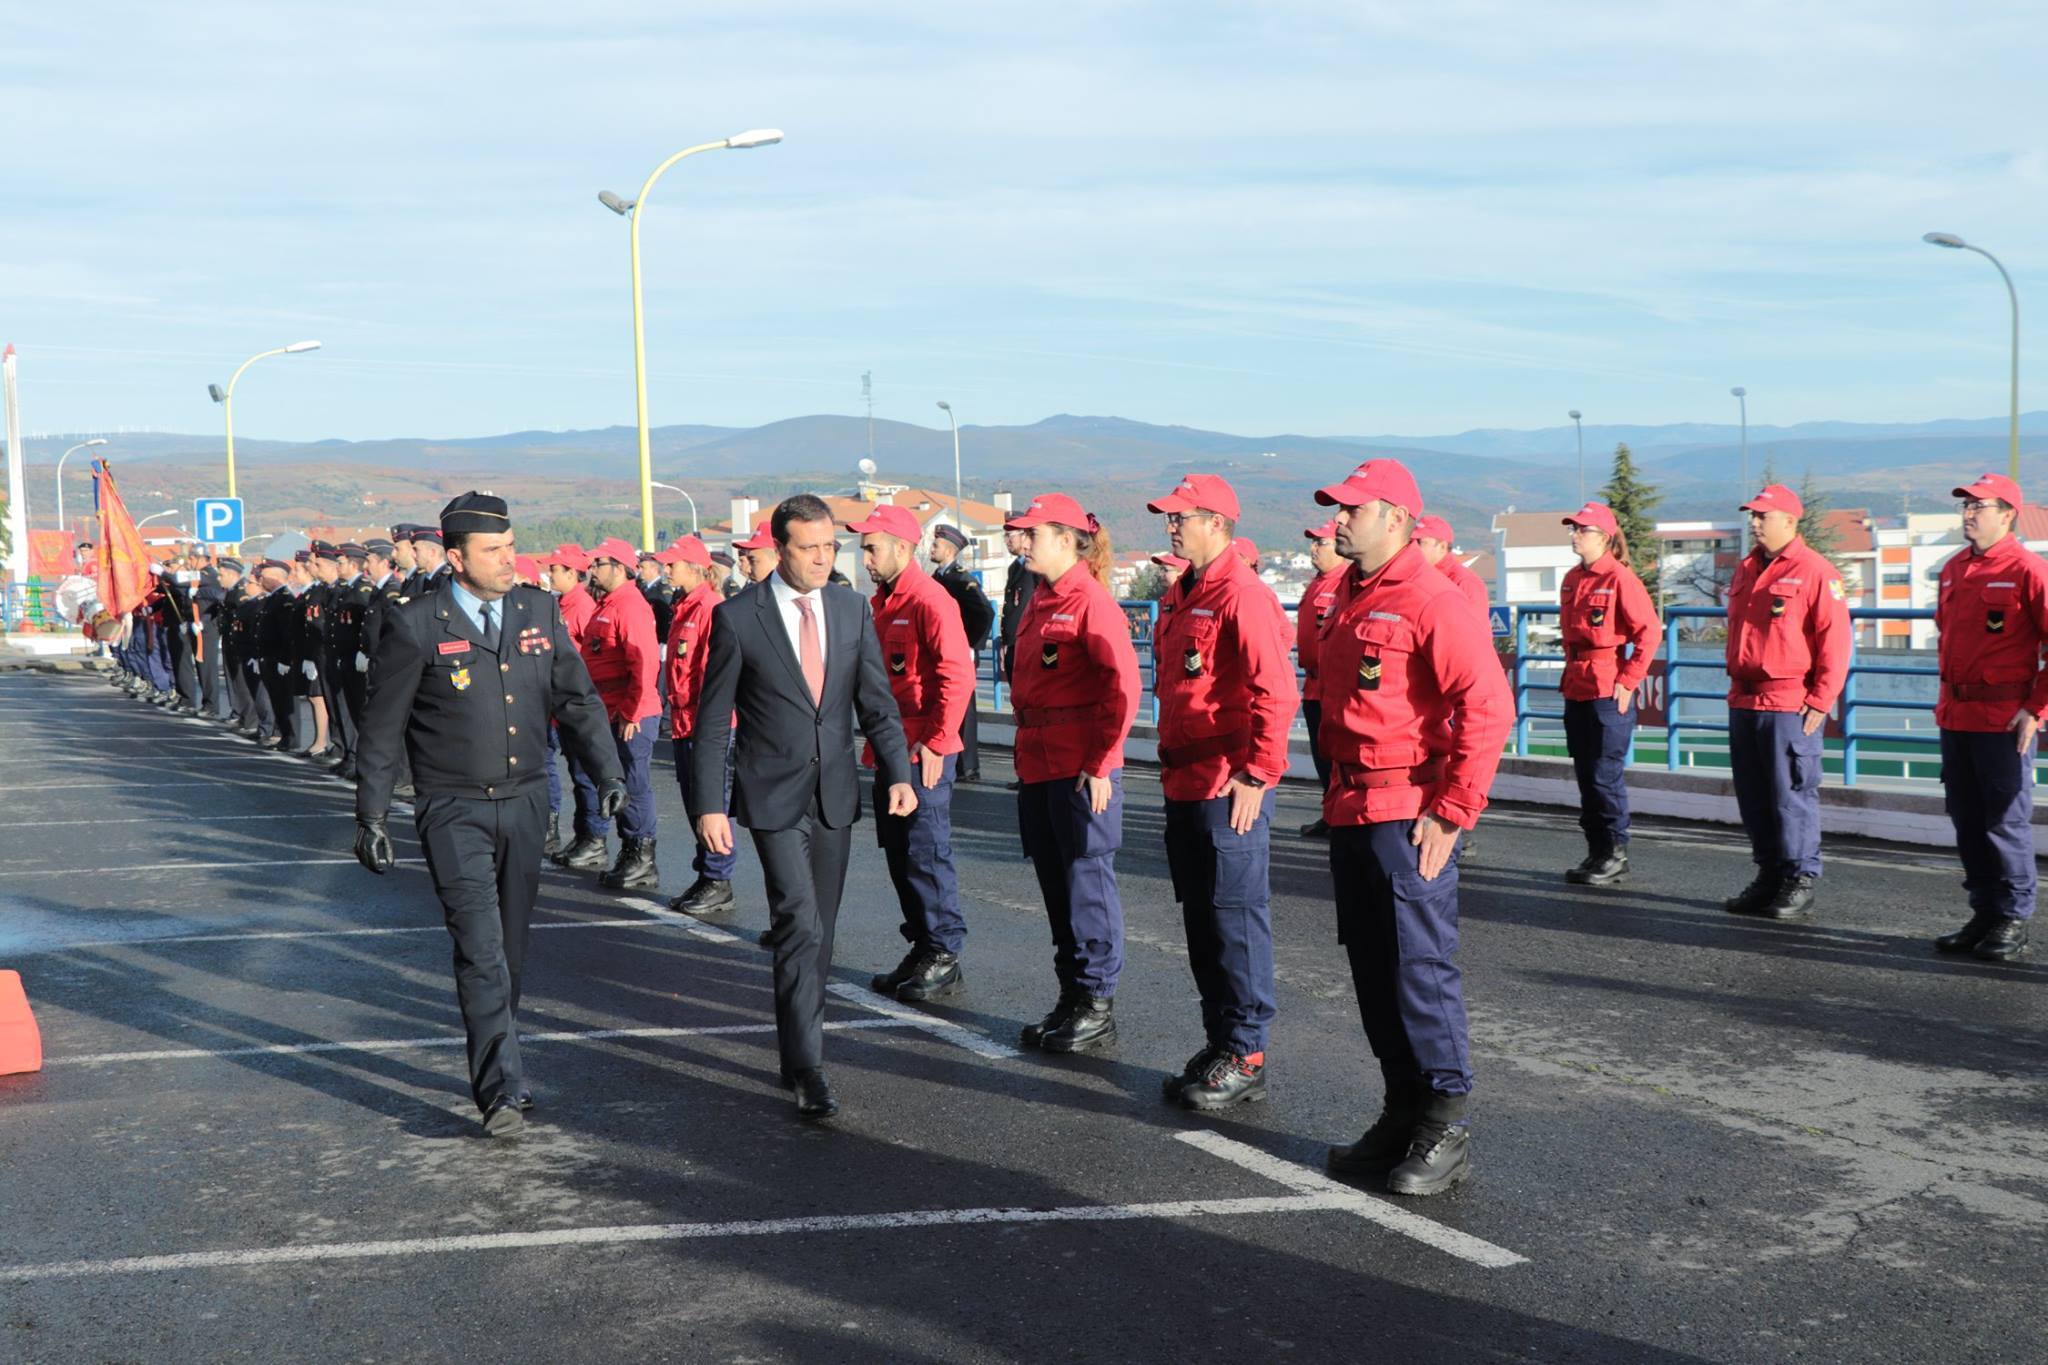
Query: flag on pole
[{"x": 123, "y": 569}]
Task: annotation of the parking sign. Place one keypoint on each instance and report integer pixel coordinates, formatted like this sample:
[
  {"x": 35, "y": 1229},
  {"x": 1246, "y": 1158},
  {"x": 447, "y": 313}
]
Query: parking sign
[{"x": 218, "y": 521}]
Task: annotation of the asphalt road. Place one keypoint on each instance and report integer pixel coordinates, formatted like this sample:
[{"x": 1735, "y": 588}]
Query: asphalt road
[{"x": 1696, "y": 1138}]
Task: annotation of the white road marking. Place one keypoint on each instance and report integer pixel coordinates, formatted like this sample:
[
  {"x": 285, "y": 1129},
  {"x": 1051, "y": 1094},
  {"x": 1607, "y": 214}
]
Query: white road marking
[
  {"x": 945, "y": 1030},
  {"x": 689, "y": 924},
  {"x": 185, "y": 1054},
  {"x": 672, "y": 1232},
  {"x": 190, "y": 867},
  {"x": 159, "y": 819},
  {"x": 146, "y": 941},
  {"x": 304, "y": 786},
  {"x": 1463, "y": 1245}
]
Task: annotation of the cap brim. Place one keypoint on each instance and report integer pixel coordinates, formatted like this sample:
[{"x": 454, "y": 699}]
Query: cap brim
[
  {"x": 870, "y": 528},
  {"x": 1172, "y": 502},
  {"x": 1341, "y": 495},
  {"x": 1025, "y": 522},
  {"x": 1975, "y": 490}
]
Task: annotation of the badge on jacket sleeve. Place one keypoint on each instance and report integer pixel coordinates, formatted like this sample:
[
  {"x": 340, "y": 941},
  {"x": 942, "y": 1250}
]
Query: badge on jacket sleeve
[
  {"x": 1835, "y": 587},
  {"x": 460, "y": 677},
  {"x": 1369, "y": 673}
]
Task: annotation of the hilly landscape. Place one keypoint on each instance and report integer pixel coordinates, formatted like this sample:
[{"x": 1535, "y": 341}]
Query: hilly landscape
[{"x": 1113, "y": 464}]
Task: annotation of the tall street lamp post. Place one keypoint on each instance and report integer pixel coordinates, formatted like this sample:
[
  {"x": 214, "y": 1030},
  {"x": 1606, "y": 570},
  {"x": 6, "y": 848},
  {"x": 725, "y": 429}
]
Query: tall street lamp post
[
  {"x": 959, "y": 514},
  {"x": 226, "y": 397},
  {"x": 1580, "y": 429},
  {"x": 1955, "y": 243},
  {"x": 95, "y": 441}
]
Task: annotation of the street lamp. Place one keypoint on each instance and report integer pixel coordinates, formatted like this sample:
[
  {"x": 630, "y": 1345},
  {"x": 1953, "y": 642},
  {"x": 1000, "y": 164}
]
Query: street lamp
[
  {"x": 686, "y": 498},
  {"x": 1741, "y": 396},
  {"x": 95, "y": 441},
  {"x": 1955, "y": 243},
  {"x": 630, "y": 209},
  {"x": 167, "y": 512},
  {"x": 226, "y": 397},
  {"x": 959, "y": 513},
  {"x": 1581, "y": 430}
]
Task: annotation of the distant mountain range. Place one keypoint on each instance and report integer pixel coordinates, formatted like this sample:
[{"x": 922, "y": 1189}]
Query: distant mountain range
[{"x": 1113, "y": 462}]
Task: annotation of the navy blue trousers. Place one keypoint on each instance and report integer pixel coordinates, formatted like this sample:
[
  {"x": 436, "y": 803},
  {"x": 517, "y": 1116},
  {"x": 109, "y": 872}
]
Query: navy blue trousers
[
  {"x": 1074, "y": 853},
  {"x": 1596, "y": 733},
  {"x": 1222, "y": 880},
  {"x": 636, "y": 758},
  {"x": 919, "y": 851},
  {"x": 717, "y": 866},
  {"x": 1989, "y": 789},
  {"x": 1401, "y": 934},
  {"x": 554, "y": 771},
  {"x": 1776, "y": 765}
]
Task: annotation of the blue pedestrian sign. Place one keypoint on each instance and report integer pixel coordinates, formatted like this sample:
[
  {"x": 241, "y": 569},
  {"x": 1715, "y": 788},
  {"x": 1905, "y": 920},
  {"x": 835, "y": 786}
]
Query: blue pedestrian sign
[
  {"x": 217, "y": 521},
  {"x": 1503, "y": 621}
]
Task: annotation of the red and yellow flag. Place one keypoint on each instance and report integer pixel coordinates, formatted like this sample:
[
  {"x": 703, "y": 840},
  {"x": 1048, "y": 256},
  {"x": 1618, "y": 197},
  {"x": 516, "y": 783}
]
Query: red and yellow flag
[{"x": 123, "y": 568}]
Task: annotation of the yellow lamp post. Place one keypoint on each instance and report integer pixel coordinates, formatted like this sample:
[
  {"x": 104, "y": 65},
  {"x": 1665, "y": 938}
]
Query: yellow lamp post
[
  {"x": 226, "y": 397},
  {"x": 630, "y": 209}
]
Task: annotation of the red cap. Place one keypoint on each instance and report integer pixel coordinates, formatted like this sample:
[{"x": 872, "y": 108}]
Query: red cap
[
  {"x": 1992, "y": 486},
  {"x": 1436, "y": 528},
  {"x": 527, "y": 567},
  {"x": 1245, "y": 549},
  {"x": 568, "y": 556},
  {"x": 890, "y": 520},
  {"x": 1166, "y": 559},
  {"x": 614, "y": 548},
  {"x": 1597, "y": 515},
  {"x": 1327, "y": 531},
  {"x": 686, "y": 550},
  {"x": 762, "y": 539},
  {"x": 1199, "y": 492},
  {"x": 1776, "y": 498},
  {"x": 1056, "y": 508},
  {"x": 1375, "y": 480}
]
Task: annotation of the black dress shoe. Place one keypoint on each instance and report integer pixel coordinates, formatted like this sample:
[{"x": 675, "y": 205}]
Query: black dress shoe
[
  {"x": 1607, "y": 868},
  {"x": 766, "y": 938},
  {"x": 1317, "y": 828},
  {"x": 347, "y": 771},
  {"x": 1439, "y": 1156},
  {"x": 706, "y": 896},
  {"x": 885, "y": 983},
  {"x": 1970, "y": 935},
  {"x": 1227, "y": 1080},
  {"x": 503, "y": 1118},
  {"x": 635, "y": 870},
  {"x": 1089, "y": 1027},
  {"x": 938, "y": 974},
  {"x": 586, "y": 854},
  {"x": 1070, "y": 1000},
  {"x": 2003, "y": 941},
  {"x": 1753, "y": 898},
  {"x": 1381, "y": 1147},
  {"x": 1171, "y": 1087},
  {"x": 1794, "y": 900},
  {"x": 814, "y": 1099}
]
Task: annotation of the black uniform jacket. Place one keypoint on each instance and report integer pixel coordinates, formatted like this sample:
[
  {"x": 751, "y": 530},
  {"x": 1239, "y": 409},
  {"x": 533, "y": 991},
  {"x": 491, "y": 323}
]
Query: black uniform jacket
[{"x": 473, "y": 714}]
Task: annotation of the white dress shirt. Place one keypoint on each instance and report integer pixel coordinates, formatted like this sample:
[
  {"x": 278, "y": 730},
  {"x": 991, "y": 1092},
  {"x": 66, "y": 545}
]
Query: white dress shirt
[{"x": 792, "y": 620}]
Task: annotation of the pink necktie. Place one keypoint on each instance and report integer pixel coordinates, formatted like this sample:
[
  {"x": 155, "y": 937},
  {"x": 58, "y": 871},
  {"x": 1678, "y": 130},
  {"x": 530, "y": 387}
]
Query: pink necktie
[{"x": 809, "y": 655}]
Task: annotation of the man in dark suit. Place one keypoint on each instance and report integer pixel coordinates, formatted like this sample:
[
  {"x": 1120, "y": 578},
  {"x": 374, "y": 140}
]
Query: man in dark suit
[
  {"x": 797, "y": 658},
  {"x": 465, "y": 681}
]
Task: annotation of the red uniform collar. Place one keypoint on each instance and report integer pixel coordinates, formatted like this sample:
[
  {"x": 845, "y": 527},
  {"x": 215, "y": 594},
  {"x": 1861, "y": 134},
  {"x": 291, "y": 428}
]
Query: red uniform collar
[
  {"x": 2005, "y": 546},
  {"x": 1402, "y": 567},
  {"x": 905, "y": 585}
]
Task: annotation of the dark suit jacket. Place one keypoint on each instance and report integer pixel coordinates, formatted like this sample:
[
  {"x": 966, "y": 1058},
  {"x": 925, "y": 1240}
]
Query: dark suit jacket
[{"x": 789, "y": 750}]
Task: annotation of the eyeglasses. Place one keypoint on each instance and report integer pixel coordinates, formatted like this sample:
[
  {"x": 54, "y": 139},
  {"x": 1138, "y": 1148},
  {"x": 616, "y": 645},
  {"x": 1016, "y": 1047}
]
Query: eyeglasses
[
  {"x": 1181, "y": 518},
  {"x": 1984, "y": 505},
  {"x": 1585, "y": 531}
]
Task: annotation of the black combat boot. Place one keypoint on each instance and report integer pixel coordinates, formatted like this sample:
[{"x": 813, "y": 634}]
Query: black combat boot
[
  {"x": 1092, "y": 1025},
  {"x": 1439, "y": 1149},
  {"x": 585, "y": 854},
  {"x": 1605, "y": 866},
  {"x": 2005, "y": 940},
  {"x": 555, "y": 843},
  {"x": 1381, "y": 1147},
  {"x": 1753, "y": 898},
  {"x": 635, "y": 869},
  {"x": 706, "y": 896},
  {"x": 1171, "y": 1087},
  {"x": 1228, "y": 1079},
  {"x": 936, "y": 974},
  {"x": 1794, "y": 900},
  {"x": 1071, "y": 999},
  {"x": 1316, "y": 829}
]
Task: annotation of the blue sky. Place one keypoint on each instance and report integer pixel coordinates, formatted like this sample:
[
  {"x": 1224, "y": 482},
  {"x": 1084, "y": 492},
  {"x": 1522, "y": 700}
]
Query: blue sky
[{"x": 1319, "y": 217}]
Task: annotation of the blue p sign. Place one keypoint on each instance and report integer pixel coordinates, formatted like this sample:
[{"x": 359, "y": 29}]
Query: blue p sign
[{"x": 219, "y": 520}]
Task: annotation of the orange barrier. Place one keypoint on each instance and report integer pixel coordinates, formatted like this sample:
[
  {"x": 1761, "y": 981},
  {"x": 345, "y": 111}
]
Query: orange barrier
[{"x": 21, "y": 1044}]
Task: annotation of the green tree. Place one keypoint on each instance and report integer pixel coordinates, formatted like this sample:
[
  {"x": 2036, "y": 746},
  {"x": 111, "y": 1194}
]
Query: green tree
[
  {"x": 1149, "y": 584},
  {"x": 1633, "y": 501},
  {"x": 1813, "y": 528}
]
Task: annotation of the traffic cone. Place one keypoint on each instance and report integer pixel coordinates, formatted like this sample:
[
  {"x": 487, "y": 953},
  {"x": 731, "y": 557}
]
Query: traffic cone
[{"x": 21, "y": 1044}]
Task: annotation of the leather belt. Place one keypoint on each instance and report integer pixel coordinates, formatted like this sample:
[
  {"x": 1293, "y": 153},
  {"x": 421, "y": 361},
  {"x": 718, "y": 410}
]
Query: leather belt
[
  {"x": 1038, "y": 717},
  {"x": 1988, "y": 691},
  {"x": 1195, "y": 750},
  {"x": 1370, "y": 778}
]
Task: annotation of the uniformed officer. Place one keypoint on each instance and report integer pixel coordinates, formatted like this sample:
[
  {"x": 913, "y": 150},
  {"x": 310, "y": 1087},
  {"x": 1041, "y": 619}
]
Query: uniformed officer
[
  {"x": 1435, "y": 538},
  {"x": 688, "y": 562},
  {"x": 758, "y": 553},
  {"x": 402, "y": 561},
  {"x": 278, "y": 651},
  {"x": 1226, "y": 703},
  {"x": 1318, "y": 600},
  {"x": 1788, "y": 656},
  {"x": 259, "y": 722},
  {"x": 1075, "y": 691},
  {"x": 567, "y": 569},
  {"x": 348, "y": 686},
  {"x": 652, "y": 573},
  {"x": 1610, "y": 629},
  {"x": 430, "y": 562},
  {"x": 1992, "y": 612},
  {"x": 931, "y": 675},
  {"x": 314, "y": 620},
  {"x": 1415, "y": 709},
  {"x": 1019, "y": 582},
  {"x": 624, "y": 659},
  {"x": 977, "y": 617},
  {"x": 467, "y": 679},
  {"x": 235, "y": 584}
]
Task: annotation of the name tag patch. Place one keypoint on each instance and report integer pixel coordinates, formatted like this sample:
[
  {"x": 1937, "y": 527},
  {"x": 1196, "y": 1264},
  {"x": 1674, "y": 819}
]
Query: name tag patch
[{"x": 454, "y": 646}]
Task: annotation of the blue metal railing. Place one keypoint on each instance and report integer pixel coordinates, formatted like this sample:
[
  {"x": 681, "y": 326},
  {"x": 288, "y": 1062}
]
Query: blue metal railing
[{"x": 1677, "y": 724}]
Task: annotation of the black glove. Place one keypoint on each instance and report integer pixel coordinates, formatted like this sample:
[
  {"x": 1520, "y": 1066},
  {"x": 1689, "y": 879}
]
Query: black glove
[
  {"x": 373, "y": 845},
  {"x": 611, "y": 798}
]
